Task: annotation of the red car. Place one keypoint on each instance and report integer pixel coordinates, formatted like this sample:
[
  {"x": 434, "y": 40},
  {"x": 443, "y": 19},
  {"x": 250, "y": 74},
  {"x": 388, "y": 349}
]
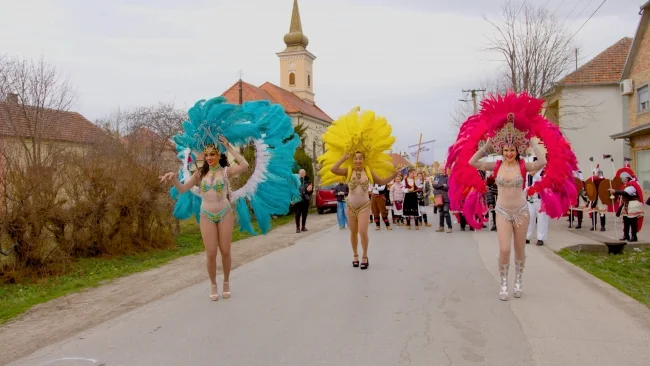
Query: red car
[{"x": 325, "y": 199}]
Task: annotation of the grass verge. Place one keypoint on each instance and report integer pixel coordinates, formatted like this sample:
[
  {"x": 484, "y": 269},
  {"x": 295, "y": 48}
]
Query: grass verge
[
  {"x": 628, "y": 272},
  {"x": 91, "y": 272}
]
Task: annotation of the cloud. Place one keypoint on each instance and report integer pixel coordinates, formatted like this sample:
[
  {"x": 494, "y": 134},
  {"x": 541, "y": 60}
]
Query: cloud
[{"x": 408, "y": 60}]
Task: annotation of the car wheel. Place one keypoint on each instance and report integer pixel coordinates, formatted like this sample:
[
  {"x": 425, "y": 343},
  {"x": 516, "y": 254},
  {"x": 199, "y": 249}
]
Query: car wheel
[{"x": 320, "y": 211}]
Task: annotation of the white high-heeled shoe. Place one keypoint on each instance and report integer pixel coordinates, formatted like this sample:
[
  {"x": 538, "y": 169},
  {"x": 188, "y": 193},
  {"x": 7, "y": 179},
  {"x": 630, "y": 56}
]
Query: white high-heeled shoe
[
  {"x": 214, "y": 294},
  {"x": 226, "y": 294},
  {"x": 503, "y": 272}
]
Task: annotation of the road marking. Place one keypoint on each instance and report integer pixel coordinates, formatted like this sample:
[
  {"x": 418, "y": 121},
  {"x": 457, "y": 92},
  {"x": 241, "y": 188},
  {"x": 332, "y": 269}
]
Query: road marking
[{"x": 70, "y": 359}]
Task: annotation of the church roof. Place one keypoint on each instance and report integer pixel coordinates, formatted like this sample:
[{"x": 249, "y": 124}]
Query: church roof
[{"x": 289, "y": 101}]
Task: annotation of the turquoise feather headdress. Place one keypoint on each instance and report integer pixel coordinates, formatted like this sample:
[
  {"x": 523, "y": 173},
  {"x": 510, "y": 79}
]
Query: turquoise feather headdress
[{"x": 271, "y": 132}]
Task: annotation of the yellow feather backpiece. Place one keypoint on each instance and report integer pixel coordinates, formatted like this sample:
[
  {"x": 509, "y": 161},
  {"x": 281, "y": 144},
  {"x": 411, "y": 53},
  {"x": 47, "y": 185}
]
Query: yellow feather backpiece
[{"x": 357, "y": 131}]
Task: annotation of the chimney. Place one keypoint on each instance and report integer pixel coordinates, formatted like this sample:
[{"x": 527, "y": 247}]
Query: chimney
[{"x": 12, "y": 98}]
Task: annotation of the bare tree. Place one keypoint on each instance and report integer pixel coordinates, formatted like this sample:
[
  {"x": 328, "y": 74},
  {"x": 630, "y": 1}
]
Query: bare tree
[
  {"x": 36, "y": 99},
  {"x": 148, "y": 129},
  {"x": 536, "y": 46}
]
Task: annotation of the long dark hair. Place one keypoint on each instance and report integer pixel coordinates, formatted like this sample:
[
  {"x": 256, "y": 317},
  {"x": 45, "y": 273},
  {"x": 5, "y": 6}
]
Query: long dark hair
[{"x": 205, "y": 168}]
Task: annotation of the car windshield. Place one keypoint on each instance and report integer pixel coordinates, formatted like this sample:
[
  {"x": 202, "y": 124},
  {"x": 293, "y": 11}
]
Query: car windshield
[{"x": 328, "y": 187}]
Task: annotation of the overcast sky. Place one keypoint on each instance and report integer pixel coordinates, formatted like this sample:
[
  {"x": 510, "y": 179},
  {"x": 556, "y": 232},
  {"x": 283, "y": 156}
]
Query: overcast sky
[{"x": 406, "y": 59}]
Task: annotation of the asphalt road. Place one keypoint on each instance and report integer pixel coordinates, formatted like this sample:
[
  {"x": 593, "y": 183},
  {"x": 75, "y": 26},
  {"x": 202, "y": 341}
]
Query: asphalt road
[{"x": 427, "y": 299}]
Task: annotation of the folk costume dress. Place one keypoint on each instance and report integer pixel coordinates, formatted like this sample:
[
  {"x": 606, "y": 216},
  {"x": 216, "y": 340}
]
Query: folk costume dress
[{"x": 631, "y": 208}]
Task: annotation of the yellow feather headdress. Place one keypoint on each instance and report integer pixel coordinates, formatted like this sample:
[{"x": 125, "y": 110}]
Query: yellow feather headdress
[{"x": 364, "y": 132}]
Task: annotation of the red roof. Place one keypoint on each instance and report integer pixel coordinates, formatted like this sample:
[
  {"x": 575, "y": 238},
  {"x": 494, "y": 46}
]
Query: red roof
[
  {"x": 277, "y": 95},
  {"x": 144, "y": 135},
  {"x": 18, "y": 120},
  {"x": 605, "y": 68},
  {"x": 399, "y": 160}
]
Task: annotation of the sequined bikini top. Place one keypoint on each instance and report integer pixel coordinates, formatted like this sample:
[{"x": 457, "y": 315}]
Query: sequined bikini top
[
  {"x": 358, "y": 181},
  {"x": 515, "y": 183},
  {"x": 217, "y": 185}
]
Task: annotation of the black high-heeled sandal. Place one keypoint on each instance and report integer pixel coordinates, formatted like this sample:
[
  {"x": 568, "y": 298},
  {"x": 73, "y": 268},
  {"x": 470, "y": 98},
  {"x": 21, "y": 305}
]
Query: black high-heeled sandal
[
  {"x": 355, "y": 263},
  {"x": 365, "y": 265}
]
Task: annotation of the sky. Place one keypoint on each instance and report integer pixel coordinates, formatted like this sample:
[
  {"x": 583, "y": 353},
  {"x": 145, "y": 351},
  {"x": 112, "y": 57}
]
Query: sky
[{"x": 407, "y": 60}]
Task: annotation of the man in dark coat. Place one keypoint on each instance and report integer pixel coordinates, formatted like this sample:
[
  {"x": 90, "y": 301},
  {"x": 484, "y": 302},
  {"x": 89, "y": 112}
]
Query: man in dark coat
[{"x": 302, "y": 208}]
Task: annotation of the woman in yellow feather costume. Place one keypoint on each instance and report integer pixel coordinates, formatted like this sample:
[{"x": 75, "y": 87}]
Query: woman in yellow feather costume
[{"x": 356, "y": 146}]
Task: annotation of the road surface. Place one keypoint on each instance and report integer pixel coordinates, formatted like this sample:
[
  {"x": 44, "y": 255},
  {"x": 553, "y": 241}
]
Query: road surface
[{"x": 427, "y": 299}]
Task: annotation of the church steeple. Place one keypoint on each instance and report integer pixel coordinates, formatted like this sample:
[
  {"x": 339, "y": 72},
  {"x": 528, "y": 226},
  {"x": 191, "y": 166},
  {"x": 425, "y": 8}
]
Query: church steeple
[
  {"x": 295, "y": 37},
  {"x": 296, "y": 62}
]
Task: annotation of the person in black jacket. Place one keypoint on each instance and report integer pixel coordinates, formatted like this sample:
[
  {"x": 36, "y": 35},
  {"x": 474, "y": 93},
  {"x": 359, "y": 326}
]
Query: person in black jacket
[
  {"x": 302, "y": 208},
  {"x": 440, "y": 187}
]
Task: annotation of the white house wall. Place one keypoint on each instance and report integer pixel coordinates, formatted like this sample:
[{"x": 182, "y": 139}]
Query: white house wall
[
  {"x": 588, "y": 116},
  {"x": 315, "y": 131}
]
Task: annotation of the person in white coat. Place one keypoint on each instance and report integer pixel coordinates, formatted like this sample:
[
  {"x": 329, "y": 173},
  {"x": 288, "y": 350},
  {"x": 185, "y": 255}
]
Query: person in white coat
[{"x": 536, "y": 217}]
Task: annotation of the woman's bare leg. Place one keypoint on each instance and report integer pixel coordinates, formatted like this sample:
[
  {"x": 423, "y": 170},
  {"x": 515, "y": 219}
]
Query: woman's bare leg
[
  {"x": 354, "y": 232},
  {"x": 520, "y": 253},
  {"x": 505, "y": 238},
  {"x": 364, "y": 216},
  {"x": 225, "y": 241},
  {"x": 209, "y": 233}
]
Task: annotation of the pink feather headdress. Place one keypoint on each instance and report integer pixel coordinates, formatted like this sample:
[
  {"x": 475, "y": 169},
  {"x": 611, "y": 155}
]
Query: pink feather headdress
[{"x": 510, "y": 119}]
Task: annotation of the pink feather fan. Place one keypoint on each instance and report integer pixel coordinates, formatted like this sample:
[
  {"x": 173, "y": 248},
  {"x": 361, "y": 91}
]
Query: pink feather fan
[{"x": 466, "y": 187}]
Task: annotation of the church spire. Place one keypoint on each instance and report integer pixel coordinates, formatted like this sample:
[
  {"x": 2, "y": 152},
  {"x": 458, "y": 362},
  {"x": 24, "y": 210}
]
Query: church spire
[{"x": 295, "y": 37}]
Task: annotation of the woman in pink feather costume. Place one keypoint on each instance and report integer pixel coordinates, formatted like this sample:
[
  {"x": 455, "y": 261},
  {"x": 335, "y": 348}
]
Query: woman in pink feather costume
[{"x": 507, "y": 124}]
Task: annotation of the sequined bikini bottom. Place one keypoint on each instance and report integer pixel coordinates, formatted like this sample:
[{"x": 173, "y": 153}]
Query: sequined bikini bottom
[
  {"x": 514, "y": 216},
  {"x": 355, "y": 211},
  {"x": 216, "y": 218}
]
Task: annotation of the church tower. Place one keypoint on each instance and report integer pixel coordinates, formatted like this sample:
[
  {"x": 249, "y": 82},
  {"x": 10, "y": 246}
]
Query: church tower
[{"x": 296, "y": 72}]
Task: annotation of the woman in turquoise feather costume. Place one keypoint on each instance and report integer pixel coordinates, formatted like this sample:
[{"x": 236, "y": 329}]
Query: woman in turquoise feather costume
[{"x": 211, "y": 128}]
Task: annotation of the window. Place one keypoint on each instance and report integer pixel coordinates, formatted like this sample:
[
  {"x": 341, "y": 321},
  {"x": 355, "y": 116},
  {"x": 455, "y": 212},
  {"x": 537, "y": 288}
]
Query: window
[
  {"x": 643, "y": 169},
  {"x": 644, "y": 99},
  {"x": 292, "y": 79},
  {"x": 308, "y": 80}
]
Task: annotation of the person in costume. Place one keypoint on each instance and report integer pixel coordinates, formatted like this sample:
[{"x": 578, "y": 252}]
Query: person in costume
[
  {"x": 411, "y": 201},
  {"x": 397, "y": 198},
  {"x": 581, "y": 197},
  {"x": 537, "y": 217},
  {"x": 632, "y": 208},
  {"x": 207, "y": 194},
  {"x": 507, "y": 124},
  {"x": 599, "y": 208},
  {"x": 378, "y": 205},
  {"x": 491, "y": 199},
  {"x": 356, "y": 146},
  {"x": 423, "y": 189}
]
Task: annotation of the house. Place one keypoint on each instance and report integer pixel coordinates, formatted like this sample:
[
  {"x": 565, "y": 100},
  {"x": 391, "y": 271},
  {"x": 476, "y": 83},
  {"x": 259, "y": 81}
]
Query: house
[
  {"x": 634, "y": 88},
  {"x": 152, "y": 148},
  {"x": 586, "y": 105},
  {"x": 20, "y": 124},
  {"x": 296, "y": 90},
  {"x": 399, "y": 161}
]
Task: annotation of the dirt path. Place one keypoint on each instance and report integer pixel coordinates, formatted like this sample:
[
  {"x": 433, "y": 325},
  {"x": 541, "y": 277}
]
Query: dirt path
[{"x": 61, "y": 318}]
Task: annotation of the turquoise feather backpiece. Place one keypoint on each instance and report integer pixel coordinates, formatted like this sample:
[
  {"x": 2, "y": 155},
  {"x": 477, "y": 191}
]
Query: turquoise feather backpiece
[{"x": 270, "y": 189}]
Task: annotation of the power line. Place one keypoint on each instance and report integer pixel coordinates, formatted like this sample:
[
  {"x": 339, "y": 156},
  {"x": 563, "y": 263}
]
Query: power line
[
  {"x": 572, "y": 10},
  {"x": 522, "y": 6},
  {"x": 583, "y": 24},
  {"x": 558, "y": 7}
]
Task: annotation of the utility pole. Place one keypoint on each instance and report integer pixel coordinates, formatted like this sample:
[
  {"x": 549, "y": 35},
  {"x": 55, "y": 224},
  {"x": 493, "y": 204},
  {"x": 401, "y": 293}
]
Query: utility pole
[{"x": 473, "y": 91}]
